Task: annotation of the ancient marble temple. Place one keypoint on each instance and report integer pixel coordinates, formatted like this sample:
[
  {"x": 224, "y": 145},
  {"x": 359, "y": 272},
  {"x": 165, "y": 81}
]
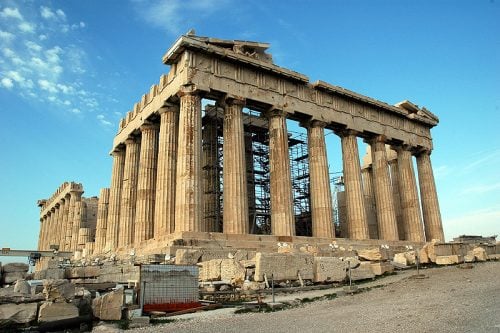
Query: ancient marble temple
[{"x": 184, "y": 157}]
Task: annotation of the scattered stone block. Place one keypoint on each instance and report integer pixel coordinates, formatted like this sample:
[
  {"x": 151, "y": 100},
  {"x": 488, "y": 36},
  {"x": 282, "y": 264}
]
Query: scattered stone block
[
  {"x": 448, "y": 260},
  {"x": 50, "y": 273},
  {"x": 210, "y": 270},
  {"x": 12, "y": 277},
  {"x": 284, "y": 266},
  {"x": 119, "y": 273},
  {"x": 469, "y": 257},
  {"x": 423, "y": 257},
  {"x": 231, "y": 270},
  {"x": 58, "y": 290},
  {"x": 187, "y": 256},
  {"x": 380, "y": 268},
  {"x": 136, "y": 322},
  {"x": 109, "y": 306},
  {"x": 22, "y": 287},
  {"x": 51, "y": 311},
  {"x": 253, "y": 285},
  {"x": 329, "y": 269},
  {"x": 314, "y": 250},
  {"x": 82, "y": 272},
  {"x": 351, "y": 262},
  {"x": 362, "y": 272},
  {"x": 13, "y": 314},
  {"x": 15, "y": 267},
  {"x": 374, "y": 254},
  {"x": 480, "y": 254}
]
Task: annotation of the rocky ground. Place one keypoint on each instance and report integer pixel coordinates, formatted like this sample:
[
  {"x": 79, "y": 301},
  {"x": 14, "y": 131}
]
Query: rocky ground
[{"x": 450, "y": 299}]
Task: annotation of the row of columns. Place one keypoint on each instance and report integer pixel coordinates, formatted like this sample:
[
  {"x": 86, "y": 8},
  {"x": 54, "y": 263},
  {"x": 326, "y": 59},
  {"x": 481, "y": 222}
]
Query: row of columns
[
  {"x": 156, "y": 184},
  {"x": 61, "y": 225}
]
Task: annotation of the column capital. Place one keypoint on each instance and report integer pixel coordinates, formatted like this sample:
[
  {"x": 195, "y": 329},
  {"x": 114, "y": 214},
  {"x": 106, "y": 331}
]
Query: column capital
[
  {"x": 168, "y": 107},
  {"x": 275, "y": 111},
  {"x": 189, "y": 89},
  {"x": 422, "y": 151},
  {"x": 117, "y": 151},
  {"x": 345, "y": 132},
  {"x": 130, "y": 140},
  {"x": 313, "y": 123},
  {"x": 376, "y": 139},
  {"x": 229, "y": 99},
  {"x": 149, "y": 127}
]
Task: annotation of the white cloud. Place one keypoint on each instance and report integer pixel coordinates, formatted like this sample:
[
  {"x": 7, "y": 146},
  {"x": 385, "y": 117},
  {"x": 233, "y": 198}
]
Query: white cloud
[
  {"x": 103, "y": 121},
  {"x": 26, "y": 27},
  {"x": 6, "y": 83},
  {"x": 61, "y": 14},
  {"x": 8, "y": 12},
  {"x": 8, "y": 53},
  {"x": 52, "y": 54},
  {"x": 47, "y": 86},
  {"x": 47, "y": 13},
  {"x": 33, "y": 46},
  {"x": 6, "y": 36},
  {"x": 75, "y": 111},
  {"x": 480, "y": 189},
  {"x": 42, "y": 37}
]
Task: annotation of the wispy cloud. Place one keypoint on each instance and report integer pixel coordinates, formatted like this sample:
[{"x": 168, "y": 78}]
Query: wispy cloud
[
  {"x": 480, "y": 159},
  {"x": 177, "y": 16},
  {"x": 481, "y": 189}
]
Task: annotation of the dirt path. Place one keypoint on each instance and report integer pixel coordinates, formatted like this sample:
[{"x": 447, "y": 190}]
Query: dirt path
[{"x": 449, "y": 300}]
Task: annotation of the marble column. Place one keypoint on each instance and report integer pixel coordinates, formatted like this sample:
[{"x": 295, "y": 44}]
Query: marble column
[
  {"x": 40, "y": 234},
  {"x": 410, "y": 205},
  {"x": 386, "y": 215},
  {"x": 188, "y": 191},
  {"x": 165, "y": 178},
  {"x": 320, "y": 191},
  {"x": 102, "y": 219},
  {"x": 56, "y": 233},
  {"x": 48, "y": 231},
  {"x": 282, "y": 215},
  {"x": 114, "y": 199},
  {"x": 357, "y": 224},
  {"x": 146, "y": 183},
  {"x": 430, "y": 204},
  {"x": 371, "y": 212},
  {"x": 73, "y": 195},
  {"x": 235, "y": 218},
  {"x": 129, "y": 192},
  {"x": 211, "y": 183},
  {"x": 76, "y": 217},
  {"x": 396, "y": 196},
  {"x": 64, "y": 240}
]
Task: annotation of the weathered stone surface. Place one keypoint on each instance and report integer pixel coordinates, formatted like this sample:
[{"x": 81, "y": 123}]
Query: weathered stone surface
[
  {"x": 372, "y": 254},
  {"x": 7, "y": 295},
  {"x": 284, "y": 266},
  {"x": 17, "y": 313},
  {"x": 448, "y": 260},
  {"x": 82, "y": 272},
  {"x": 50, "y": 273},
  {"x": 233, "y": 271},
  {"x": 329, "y": 269},
  {"x": 469, "y": 257},
  {"x": 362, "y": 272},
  {"x": 210, "y": 270},
  {"x": 58, "y": 290},
  {"x": 118, "y": 273},
  {"x": 51, "y": 311},
  {"x": 480, "y": 254},
  {"x": 405, "y": 258},
  {"x": 314, "y": 250},
  {"x": 253, "y": 285},
  {"x": 351, "y": 262},
  {"x": 380, "y": 268},
  {"x": 423, "y": 256},
  {"x": 430, "y": 250},
  {"x": 22, "y": 287},
  {"x": 15, "y": 267},
  {"x": 12, "y": 277},
  {"x": 109, "y": 306}
]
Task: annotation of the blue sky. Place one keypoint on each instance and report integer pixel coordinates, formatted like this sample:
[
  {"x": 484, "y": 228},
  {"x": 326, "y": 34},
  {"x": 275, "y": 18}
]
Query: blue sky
[{"x": 70, "y": 69}]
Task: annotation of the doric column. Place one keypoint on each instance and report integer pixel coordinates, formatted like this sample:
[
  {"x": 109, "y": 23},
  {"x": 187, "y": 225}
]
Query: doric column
[
  {"x": 48, "y": 230},
  {"x": 357, "y": 224},
  {"x": 188, "y": 193},
  {"x": 282, "y": 216},
  {"x": 146, "y": 183},
  {"x": 386, "y": 216},
  {"x": 115, "y": 192},
  {"x": 102, "y": 219},
  {"x": 71, "y": 213},
  {"x": 428, "y": 193},
  {"x": 396, "y": 197},
  {"x": 235, "y": 218},
  {"x": 56, "y": 233},
  {"x": 129, "y": 192},
  {"x": 165, "y": 177},
  {"x": 76, "y": 218},
  {"x": 40, "y": 233},
  {"x": 65, "y": 221},
  {"x": 410, "y": 205},
  {"x": 371, "y": 212},
  {"x": 320, "y": 192},
  {"x": 211, "y": 183}
]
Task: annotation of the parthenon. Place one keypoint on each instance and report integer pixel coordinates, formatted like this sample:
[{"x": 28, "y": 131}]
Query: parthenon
[{"x": 185, "y": 160}]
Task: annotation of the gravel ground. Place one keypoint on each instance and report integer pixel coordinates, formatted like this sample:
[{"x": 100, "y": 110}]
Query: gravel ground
[{"x": 449, "y": 300}]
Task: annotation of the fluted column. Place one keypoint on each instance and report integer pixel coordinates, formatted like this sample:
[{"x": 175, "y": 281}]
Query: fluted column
[
  {"x": 430, "y": 204},
  {"x": 386, "y": 216},
  {"x": 48, "y": 230},
  {"x": 235, "y": 218},
  {"x": 102, "y": 221},
  {"x": 41, "y": 233},
  {"x": 56, "y": 233},
  {"x": 371, "y": 212},
  {"x": 320, "y": 192},
  {"x": 165, "y": 178},
  {"x": 396, "y": 196},
  {"x": 282, "y": 216},
  {"x": 146, "y": 183},
  {"x": 76, "y": 218},
  {"x": 410, "y": 205},
  {"x": 188, "y": 193},
  {"x": 129, "y": 192},
  {"x": 211, "y": 183},
  {"x": 71, "y": 213},
  {"x": 357, "y": 224},
  {"x": 115, "y": 191},
  {"x": 64, "y": 240}
]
